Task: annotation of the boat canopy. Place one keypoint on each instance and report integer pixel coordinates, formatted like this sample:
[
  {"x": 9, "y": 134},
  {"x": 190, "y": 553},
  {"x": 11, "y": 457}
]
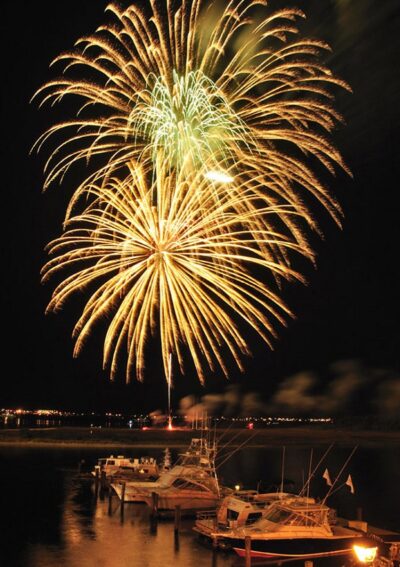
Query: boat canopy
[{"x": 295, "y": 514}]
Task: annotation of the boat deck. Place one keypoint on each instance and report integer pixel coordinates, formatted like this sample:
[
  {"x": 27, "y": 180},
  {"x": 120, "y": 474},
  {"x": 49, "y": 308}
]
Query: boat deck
[{"x": 382, "y": 534}]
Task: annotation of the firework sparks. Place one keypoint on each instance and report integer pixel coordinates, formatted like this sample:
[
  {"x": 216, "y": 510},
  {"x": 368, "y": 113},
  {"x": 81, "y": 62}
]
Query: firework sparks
[
  {"x": 200, "y": 123},
  {"x": 189, "y": 124},
  {"x": 181, "y": 267},
  {"x": 161, "y": 81}
]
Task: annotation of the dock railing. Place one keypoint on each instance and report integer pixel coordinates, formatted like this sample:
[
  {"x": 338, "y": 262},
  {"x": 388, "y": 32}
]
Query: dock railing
[{"x": 206, "y": 521}]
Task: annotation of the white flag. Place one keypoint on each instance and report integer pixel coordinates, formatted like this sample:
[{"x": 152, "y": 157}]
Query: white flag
[
  {"x": 327, "y": 477},
  {"x": 349, "y": 483}
]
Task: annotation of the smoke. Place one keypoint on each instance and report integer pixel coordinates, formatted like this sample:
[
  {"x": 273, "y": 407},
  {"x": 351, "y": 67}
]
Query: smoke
[{"x": 346, "y": 387}]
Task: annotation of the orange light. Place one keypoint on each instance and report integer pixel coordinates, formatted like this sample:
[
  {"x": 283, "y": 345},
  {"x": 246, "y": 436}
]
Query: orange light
[{"x": 365, "y": 554}]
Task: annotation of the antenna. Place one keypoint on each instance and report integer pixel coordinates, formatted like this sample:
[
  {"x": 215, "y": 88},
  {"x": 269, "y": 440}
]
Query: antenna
[
  {"x": 227, "y": 455},
  {"x": 236, "y": 449},
  {"x": 315, "y": 469},
  {"x": 283, "y": 467},
  {"x": 340, "y": 472},
  {"x": 309, "y": 473}
]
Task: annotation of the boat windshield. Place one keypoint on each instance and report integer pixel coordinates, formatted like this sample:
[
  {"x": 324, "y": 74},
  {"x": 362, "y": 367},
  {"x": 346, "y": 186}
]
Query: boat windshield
[
  {"x": 184, "y": 484},
  {"x": 285, "y": 517},
  {"x": 278, "y": 515}
]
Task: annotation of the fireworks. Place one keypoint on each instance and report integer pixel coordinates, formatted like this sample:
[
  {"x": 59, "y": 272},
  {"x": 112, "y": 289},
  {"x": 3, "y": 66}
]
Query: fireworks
[
  {"x": 198, "y": 120},
  {"x": 190, "y": 124},
  {"x": 181, "y": 267}
]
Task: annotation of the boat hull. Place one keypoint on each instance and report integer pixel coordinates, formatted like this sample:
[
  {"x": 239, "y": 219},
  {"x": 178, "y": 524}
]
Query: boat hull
[
  {"x": 296, "y": 548},
  {"x": 186, "y": 503},
  {"x": 169, "y": 502}
]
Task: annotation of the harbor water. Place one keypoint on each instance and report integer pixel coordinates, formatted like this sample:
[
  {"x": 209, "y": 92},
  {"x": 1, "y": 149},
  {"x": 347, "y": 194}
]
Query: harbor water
[{"x": 51, "y": 517}]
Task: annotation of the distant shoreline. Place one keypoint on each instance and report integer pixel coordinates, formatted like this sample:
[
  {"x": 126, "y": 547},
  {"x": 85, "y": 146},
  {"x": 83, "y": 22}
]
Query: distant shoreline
[{"x": 78, "y": 437}]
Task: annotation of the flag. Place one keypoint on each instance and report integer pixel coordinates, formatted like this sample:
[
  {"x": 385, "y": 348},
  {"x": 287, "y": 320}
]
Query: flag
[
  {"x": 349, "y": 483},
  {"x": 327, "y": 477}
]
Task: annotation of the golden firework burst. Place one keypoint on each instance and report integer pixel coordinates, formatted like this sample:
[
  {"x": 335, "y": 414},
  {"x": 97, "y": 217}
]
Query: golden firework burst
[
  {"x": 199, "y": 118},
  {"x": 183, "y": 267},
  {"x": 200, "y": 85}
]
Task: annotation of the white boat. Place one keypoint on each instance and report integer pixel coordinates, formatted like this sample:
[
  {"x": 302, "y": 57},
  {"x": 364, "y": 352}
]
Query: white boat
[
  {"x": 242, "y": 508},
  {"x": 296, "y": 527},
  {"x": 127, "y": 468},
  {"x": 191, "y": 483}
]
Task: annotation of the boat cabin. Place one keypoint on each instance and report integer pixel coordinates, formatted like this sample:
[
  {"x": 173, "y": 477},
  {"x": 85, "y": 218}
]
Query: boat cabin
[
  {"x": 143, "y": 466},
  {"x": 300, "y": 515},
  {"x": 245, "y": 507}
]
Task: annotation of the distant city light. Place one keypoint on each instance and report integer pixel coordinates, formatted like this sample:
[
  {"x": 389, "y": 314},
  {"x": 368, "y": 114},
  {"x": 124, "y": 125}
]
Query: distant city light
[{"x": 143, "y": 421}]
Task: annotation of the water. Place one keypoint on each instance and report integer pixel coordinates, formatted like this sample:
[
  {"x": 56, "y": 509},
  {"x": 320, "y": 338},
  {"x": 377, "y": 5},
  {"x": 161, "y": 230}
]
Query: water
[{"x": 51, "y": 518}]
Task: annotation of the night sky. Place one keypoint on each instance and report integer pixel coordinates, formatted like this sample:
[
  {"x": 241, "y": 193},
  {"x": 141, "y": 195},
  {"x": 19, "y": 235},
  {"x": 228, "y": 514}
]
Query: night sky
[{"x": 348, "y": 311}]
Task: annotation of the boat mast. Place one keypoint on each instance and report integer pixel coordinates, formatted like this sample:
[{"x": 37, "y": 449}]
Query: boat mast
[{"x": 283, "y": 468}]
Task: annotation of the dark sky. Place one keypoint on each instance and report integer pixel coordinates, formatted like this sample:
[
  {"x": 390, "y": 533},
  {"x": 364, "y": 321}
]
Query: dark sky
[{"x": 349, "y": 310}]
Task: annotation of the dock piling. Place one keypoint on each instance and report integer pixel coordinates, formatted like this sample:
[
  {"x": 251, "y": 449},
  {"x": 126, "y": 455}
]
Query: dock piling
[
  {"x": 96, "y": 482},
  {"x": 214, "y": 558},
  {"x": 177, "y": 525},
  {"x": 247, "y": 547},
  {"x": 103, "y": 484},
  {"x": 123, "y": 487},
  {"x": 154, "y": 504},
  {"x": 110, "y": 495},
  {"x": 103, "y": 479},
  {"x": 154, "y": 513}
]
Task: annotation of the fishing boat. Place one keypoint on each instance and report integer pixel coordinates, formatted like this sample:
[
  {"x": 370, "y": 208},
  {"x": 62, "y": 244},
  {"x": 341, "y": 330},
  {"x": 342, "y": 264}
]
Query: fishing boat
[
  {"x": 191, "y": 483},
  {"x": 242, "y": 508},
  {"x": 122, "y": 467},
  {"x": 297, "y": 527}
]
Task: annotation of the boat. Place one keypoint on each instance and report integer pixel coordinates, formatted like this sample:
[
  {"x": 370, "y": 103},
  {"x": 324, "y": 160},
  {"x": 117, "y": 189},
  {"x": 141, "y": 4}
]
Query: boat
[
  {"x": 122, "y": 467},
  {"x": 295, "y": 527},
  {"x": 242, "y": 508},
  {"x": 191, "y": 484}
]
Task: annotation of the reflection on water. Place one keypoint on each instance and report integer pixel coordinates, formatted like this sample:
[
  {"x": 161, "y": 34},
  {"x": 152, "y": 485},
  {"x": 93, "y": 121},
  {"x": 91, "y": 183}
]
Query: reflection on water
[{"x": 51, "y": 518}]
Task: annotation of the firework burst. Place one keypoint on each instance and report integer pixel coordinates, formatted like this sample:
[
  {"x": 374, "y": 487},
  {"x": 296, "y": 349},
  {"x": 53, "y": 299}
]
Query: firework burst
[
  {"x": 182, "y": 267},
  {"x": 189, "y": 125},
  {"x": 199, "y": 119},
  {"x": 172, "y": 80}
]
